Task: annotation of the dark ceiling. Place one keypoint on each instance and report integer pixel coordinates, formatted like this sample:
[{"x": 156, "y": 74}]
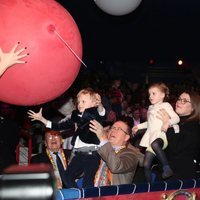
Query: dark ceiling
[{"x": 161, "y": 29}]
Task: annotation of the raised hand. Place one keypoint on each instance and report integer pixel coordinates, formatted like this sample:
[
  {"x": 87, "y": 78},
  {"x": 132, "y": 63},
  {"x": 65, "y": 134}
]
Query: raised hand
[
  {"x": 98, "y": 102},
  {"x": 35, "y": 116},
  {"x": 13, "y": 57}
]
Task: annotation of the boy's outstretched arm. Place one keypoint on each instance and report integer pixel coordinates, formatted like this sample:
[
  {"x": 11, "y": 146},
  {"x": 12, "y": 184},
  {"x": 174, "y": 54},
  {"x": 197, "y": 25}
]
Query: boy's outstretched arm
[{"x": 37, "y": 116}]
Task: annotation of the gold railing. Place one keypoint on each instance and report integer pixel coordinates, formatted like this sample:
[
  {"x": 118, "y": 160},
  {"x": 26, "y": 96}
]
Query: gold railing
[{"x": 185, "y": 193}]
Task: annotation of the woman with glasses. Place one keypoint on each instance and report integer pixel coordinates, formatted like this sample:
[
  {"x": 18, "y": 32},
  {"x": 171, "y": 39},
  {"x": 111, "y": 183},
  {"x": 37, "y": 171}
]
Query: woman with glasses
[{"x": 183, "y": 148}]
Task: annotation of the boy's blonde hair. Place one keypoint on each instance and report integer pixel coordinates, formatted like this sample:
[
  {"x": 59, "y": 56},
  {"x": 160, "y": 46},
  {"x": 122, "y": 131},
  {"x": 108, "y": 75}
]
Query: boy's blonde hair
[{"x": 89, "y": 91}]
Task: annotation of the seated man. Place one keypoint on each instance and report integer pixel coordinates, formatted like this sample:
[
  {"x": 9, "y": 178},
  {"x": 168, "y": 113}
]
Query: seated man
[
  {"x": 119, "y": 160},
  {"x": 54, "y": 155}
]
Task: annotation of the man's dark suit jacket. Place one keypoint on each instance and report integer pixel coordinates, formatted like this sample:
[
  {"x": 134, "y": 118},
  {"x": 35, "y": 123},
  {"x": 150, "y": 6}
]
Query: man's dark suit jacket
[{"x": 43, "y": 157}]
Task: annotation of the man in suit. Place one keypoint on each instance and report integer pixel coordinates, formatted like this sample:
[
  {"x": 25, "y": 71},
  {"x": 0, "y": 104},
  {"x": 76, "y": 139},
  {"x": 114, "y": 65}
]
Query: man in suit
[
  {"x": 119, "y": 159},
  {"x": 54, "y": 155}
]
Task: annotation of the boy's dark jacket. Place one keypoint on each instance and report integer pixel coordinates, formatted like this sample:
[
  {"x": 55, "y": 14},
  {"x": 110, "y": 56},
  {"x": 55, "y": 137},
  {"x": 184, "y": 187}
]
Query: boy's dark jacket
[{"x": 83, "y": 125}]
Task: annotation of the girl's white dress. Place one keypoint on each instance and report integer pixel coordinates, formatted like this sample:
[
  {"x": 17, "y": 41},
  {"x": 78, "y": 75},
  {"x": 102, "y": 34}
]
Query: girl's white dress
[{"x": 154, "y": 125}]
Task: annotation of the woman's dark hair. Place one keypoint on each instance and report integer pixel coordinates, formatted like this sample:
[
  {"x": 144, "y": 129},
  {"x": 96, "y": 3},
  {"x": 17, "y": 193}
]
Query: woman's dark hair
[{"x": 195, "y": 102}]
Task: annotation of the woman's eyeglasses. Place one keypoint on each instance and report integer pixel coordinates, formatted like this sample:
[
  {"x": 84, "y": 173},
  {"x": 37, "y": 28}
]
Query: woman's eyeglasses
[
  {"x": 183, "y": 101},
  {"x": 114, "y": 128},
  {"x": 51, "y": 137}
]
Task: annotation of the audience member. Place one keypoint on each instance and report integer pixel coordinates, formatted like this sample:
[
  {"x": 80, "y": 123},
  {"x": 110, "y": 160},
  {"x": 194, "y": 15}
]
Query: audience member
[
  {"x": 154, "y": 138},
  {"x": 119, "y": 159},
  {"x": 9, "y": 59},
  {"x": 86, "y": 159},
  {"x": 116, "y": 97},
  {"x": 9, "y": 136},
  {"x": 137, "y": 119},
  {"x": 53, "y": 148},
  {"x": 143, "y": 114},
  {"x": 183, "y": 148}
]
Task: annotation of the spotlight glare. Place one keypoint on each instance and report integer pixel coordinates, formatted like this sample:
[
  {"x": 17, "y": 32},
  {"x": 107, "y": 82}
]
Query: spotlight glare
[{"x": 180, "y": 62}]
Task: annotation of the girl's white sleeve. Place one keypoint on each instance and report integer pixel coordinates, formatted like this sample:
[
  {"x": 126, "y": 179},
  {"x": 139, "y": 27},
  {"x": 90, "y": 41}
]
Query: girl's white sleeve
[{"x": 142, "y": 125}]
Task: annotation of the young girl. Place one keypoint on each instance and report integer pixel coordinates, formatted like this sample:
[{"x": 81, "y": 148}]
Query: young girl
[{"x": 154, "y": 138}]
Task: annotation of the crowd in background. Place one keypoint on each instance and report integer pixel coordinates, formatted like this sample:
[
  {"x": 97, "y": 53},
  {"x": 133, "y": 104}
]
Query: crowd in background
[{"x": 121, "y": 98}]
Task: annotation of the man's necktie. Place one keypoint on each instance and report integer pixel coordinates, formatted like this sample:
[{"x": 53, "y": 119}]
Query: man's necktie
[{"x": 60, "y": 166}]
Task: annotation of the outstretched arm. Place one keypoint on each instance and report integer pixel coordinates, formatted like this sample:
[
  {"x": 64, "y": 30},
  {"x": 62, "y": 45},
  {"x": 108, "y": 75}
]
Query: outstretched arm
[
  {"x": 37, "y": 116},
  {"x": 11, "y": 58}
]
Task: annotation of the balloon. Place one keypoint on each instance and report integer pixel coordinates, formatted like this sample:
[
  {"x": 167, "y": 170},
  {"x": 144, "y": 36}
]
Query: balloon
[
  {"x": 117, "y": 7},
  {"x": 54, "y": 43}
]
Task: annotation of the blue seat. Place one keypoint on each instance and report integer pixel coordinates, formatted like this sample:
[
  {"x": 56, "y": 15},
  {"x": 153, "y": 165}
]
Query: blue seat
[{"x": 66, "y": 194}]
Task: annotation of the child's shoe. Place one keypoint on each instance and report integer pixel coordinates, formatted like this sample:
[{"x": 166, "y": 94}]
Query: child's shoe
[{"x": 167, "y": 172}]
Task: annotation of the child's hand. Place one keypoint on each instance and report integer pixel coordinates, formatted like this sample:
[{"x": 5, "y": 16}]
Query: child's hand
[
  {"x": 11, "y": 58},
  {"x": 135, "y": 130},
  {"x": 98, "y": 102},
  {"x": 35, "y": 116},
  {"x": 98, "y": 99}
]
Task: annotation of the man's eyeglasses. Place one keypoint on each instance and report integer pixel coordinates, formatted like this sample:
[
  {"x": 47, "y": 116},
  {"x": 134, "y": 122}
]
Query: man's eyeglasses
[
  {"x": 51, "y": 137},
  {"x": 183, "y": 101},
  {"x": 114, "y": 128}
]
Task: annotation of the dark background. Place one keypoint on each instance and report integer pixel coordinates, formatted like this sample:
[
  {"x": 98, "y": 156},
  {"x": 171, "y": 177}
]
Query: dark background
[
  {"x": 164, "y": 30},
  {"x": 160, "y": 30}
]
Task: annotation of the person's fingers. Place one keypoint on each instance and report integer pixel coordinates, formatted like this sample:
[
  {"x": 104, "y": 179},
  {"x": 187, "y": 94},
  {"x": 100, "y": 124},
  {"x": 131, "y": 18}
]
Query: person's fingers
[
  {"x": 20, "y": 62},
  {"x": 30, "y": 112},
  {"x": 159, "y": 117},
  {"x": 20, "y": 51},
  {"x": 1, "y": 52},
  {"x": 22, "y": 56},
  {"x": 40, "y": 111},
  {"x": 14, "y": 47},
  {"x": 92, "y": 125}
]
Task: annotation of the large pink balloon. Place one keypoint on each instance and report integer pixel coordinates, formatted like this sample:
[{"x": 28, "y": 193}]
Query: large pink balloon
[{"x": 53, "y": 40}]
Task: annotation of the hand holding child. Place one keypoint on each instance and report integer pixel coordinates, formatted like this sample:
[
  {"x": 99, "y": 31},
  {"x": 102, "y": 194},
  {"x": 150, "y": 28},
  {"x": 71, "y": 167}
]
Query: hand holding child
[{"x": 135, "y": 130}]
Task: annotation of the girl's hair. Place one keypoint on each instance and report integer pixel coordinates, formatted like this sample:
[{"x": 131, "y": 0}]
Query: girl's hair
[
  {"x": 195, "y": 103},
  {"x": 162, "y": 87}
]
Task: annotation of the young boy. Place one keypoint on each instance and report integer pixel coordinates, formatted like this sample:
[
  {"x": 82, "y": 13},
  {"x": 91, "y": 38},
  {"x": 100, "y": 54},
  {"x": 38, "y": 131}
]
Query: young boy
[{"x": 86, "y": 159}]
